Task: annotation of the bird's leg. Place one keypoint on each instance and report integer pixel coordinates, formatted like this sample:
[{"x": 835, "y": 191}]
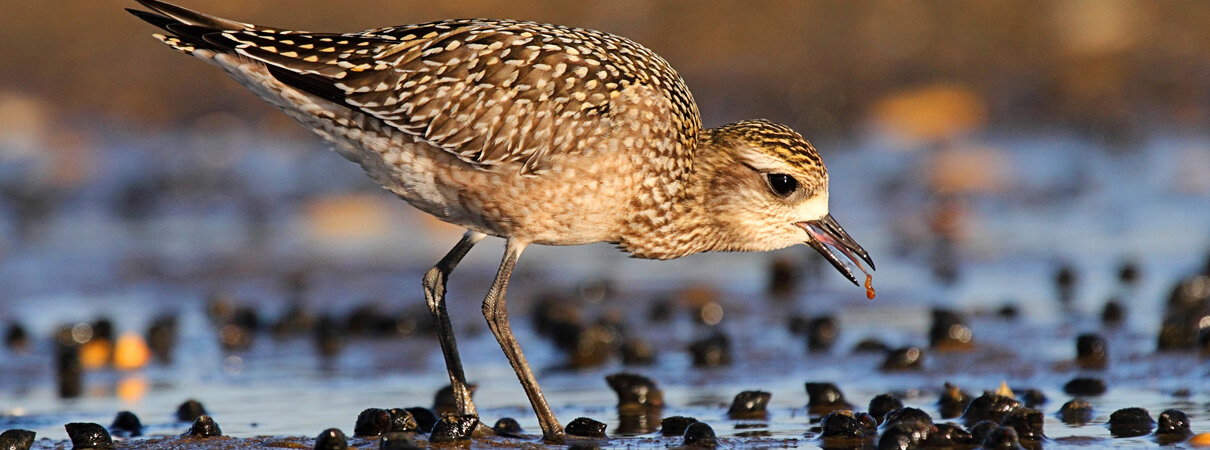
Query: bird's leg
[
  {"x": 434, "y": 294},
  {"x": 496, "y": 312}
]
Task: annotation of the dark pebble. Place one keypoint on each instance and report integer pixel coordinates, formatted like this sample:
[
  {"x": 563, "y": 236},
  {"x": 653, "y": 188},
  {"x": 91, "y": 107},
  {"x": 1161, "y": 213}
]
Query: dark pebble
[
  {"x": 17, "y": 439},
  {"x": 1130, "y": 422},
  {"x": 660, "y": 310},
  {"x": 88, "y": 435},
  {"x": 949, "y": 332},
  {"x": 237, "y": 332},
  {"x": 1033, "y": 398},
  {"x": 1076, "y": 411},
  {"x": 842, "y": 424},
  {"x": 189, "y": 411},
  {"x": 397, "y": 441},
  {"x": 1008, "y": 312},
  {"x": 126, "y": 424},
  {"x": 16, "y": 339},
  {"x": 593, "y": 346},
  {"x": 454, "y": 428},
  {"x": 425, "y": 419},
  {"x": 1128, "y": 272},
  {"x": 948, "y": 435},
  {"x": 907, "y": 415},
  {"x": 402, "y": 420},
  {"x": 903, "y": 436},
  {"x": 1091, "y": 352},
  {"x": 444, "y": 402},
  {"x": 294, "y": 322},
  {"x": 1113, "y": 314},
  {"x": 675, "y": 425},
  {"x": 635, "y": 391},
  {"x": 557, "y": 318},
  {"x": 1203, "y": 341},
  {"x": 585, "y": 427},
  {"x": 1173, "y": 427},
  {"x": 712, "y": 351},
  {"x": 372, "y": 422},
  {"x": 883, "y": 404},
  {"x": 1085, "y": 386},
  {"x": 750, "y": 405},
  {"x": 1027, "y": 422},
  {"x": 823, "y": 398},
  {"x": 953, "y": 401},
  {"x": 204, "y": 427},
  {"x": 331, "y": 439},
  {"x": 161, "y": 338},
  {"x": 329, "y": 336},
  {"x": 699, "y": 434},
  {"x": 1065, "y": 284},
  {"x": 989, "y": 407},
  {"x": 69, "y": 372},
  {"x": 1003, "y": 438},
  {"x": 1187, "y": 307},
  {"x": 822, "y": 333},
  {"x": 981, "y": 430},
  {"x": 637, "y": 352},
  {"x": 906, "y": 358},
  {"x": 784, "y": 278},
  {"x": 508, "y": 427},
  {"x": 871, "y": 345}
]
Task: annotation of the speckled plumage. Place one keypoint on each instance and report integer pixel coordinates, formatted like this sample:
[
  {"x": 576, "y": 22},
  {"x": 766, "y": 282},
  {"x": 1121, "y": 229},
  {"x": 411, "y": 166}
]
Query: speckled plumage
[{"x": 537, "y": 133}]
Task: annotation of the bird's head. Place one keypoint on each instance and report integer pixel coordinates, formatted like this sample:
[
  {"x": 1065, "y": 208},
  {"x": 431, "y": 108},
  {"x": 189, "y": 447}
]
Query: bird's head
[{"x": 768, "y": 189}]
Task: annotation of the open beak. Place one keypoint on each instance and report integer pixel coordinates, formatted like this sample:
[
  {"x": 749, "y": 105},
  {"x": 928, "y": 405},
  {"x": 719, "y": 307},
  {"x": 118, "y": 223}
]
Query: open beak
[{"x": 826, "y": 232}]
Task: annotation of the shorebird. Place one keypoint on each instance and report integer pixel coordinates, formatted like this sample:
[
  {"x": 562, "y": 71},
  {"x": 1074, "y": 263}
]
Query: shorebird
[{"x": 535, "y": 133}]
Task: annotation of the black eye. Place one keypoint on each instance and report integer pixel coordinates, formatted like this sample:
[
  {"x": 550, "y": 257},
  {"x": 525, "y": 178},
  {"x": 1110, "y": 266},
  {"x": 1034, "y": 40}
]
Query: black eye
[{"x": 782, "y": 184}]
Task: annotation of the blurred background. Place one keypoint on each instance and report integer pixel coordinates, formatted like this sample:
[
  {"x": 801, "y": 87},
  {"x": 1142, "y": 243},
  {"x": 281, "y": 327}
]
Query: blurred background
[{"x": 1050, "y": 158}]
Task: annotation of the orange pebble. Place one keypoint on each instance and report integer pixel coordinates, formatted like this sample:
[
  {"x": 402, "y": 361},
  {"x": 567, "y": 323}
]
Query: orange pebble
[
  {"x": 1199, "y": 440},
  {"x": 95, "y": 354},
  {"x": 131, "y": 352}
]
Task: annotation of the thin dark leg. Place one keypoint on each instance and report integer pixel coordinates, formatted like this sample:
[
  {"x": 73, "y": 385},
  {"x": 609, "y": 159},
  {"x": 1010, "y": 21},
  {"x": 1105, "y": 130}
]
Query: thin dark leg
[
  {"x": 496, "y": 312},
  {"x": 434, "y": 293}
]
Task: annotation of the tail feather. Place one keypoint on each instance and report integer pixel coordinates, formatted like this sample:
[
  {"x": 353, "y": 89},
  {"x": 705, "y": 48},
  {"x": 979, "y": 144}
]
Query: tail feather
[{"x": 194, "y": 18}]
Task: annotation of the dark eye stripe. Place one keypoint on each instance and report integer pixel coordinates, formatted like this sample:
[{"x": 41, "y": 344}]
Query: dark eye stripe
[{"x": 782, "y": 184}]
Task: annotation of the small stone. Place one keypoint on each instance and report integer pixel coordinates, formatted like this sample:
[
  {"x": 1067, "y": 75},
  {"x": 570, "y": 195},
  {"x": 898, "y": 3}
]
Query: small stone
[
  {"x": 508, "y": 427},
  {"x": 1026, "y": 422},
  {"x": 17, "y": 439},
  {"x": 948, "y": 435},
  {"x": 883, "y": 404},
  {"x": 949, "y": 332},
  {"x": 907, "y": 415},
  {"x": 69, "y": 371},
  {"x": 1173, "y": 427},
  {"x": 425, "y": 419},
  {"x": 1032, "y": 398},
  {"x": 329, "y": 335},
  {"x": 204, "y": 427},
  {"x": 372, "y": 422},
  {"x": 189, "y": 411},
  {"x": 16, "y": 338},
  {"x": 842, "y": 424},
  {"x": 989, "y": 407},
  {"x": 750, "y": 405},
  {"x": 1077, "y": 411},
  {"x": 635, "y": 391},
  {"x": 585, "y": 427},
  {"x": 904, "y": 436},
  {"x": 822, "y": 333},
  {"x": 1065, "y": 283},
  {"x": 902, "y": 359},
  {"x": 402, "y": 420},
  {"x": 1130, "y": 422},
  {"x": 396, "y": 441},
  {"x": 823, "y": 398},
  {"x": 126, "y": 424},
  {"x": 712, "y": 351},
  {"x": 1200, "y": 440},
  {"x": 871, "y": 345},
  {"x": 953, "y": 401},
  {"x": 1003, "y": 438},
  {"x": 1085, "y": 386},
  {"x": 1091, "y": 352},
  {"x": 637, "y": 352},
  {"x": 454, "y": 428},
  {"x": 675, "y": 425},
  {"x": 331, "y": 439},
  {"x": 1113, "y": 314},
  {"x": 88, "y": 435},
  {"x": 444, "y": 402},
  {"x": 981, "y": 430},
  {"x": 161, "y": 338},
  {"x": 699, "y": 434}
]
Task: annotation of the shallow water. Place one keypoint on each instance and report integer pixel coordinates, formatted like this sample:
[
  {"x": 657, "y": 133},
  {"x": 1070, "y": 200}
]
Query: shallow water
[{"x": 1068, "y": 202}]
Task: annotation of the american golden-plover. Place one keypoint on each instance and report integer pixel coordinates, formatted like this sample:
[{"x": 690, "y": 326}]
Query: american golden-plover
[{"x": 535, "y": 133}]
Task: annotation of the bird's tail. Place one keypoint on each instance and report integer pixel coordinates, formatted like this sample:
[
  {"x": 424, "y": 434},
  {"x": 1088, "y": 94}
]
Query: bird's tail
[{"x": 187, "y": 29}]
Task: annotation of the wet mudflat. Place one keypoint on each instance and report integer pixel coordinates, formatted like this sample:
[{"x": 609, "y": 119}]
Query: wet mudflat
[{"x": 1045, "y": 307}]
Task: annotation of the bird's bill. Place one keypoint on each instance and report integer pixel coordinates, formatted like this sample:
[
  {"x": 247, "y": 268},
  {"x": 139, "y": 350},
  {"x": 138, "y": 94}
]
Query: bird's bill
[{"x": 826, "y": 232}]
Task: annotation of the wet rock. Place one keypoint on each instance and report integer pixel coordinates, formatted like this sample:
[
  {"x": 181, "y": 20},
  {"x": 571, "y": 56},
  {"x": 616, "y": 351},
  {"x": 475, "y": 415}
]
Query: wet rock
[
  {"x": 883, "y": 404},
  {"x": 989, "y": 407},
  {"x": 397, "y": 441},
  {"x": 712, "y": 351},
  {"x": 843, "y": 424},
  {"x": 1003, "y": 438},
  {"x": 593, "y": 346},
  {"x": 1065, "y": 284},
  {"x": 508, "y": 427},
  {"x": 204, "y": 427},
  {"x": 402, "y": 420},
  {"x": 1113, "y": 313},
  {"x": 949, "y": 332},
  {"x": 953, "y": 401},
  {"x": 981, "y": 430},
  {"x": 904, "y": 435},
  {"x": 750, "y": 405},
  {"x": 1173, "y": 427},
  {"x": 907, "y": 415},
  {"x": 126, "y": 424},
  {"x": 329, "y": 336},
  {"x": 1085, "y": 386},
  {"x": 637, "y": 352},
  {"x": 444, "y": 402},
  {"x": 675, "y": 425},
  {"x": 1033, "y": 398},
  {"x": 1091, "y": 352},
  {"x": 16, "y": 339},
  {"x": 425, "y": 419},
  {"x": 1130, "y": 422},
  {"x": 69, "y": 371},
  {"x": 635, "y": 391},
  {"x": 1008, "y": 312},
  {"x": 189, "y": 411},
  {"x": 585, "y": 427},
  {"x": 454, "y": 428},
  {"x": 948, "y": 435},
  {"x": 823, "y": 398},
  {"x": 295, "y": 321},
  {"x": 372, "y": 422},
  {"x": 822, "y": 333},
  {"x": 1076, "y": 411},
  {"x": 17, "y": 439},
  {"x": 1027, "y": 422},
  {"x": 1129, "y": 272},
  {"x": 1203, "y": 341},
  {"x": 1187, "y": 309},
  {"x": 237, "y": 330},
  {"x": 557, "y": 318},
  {"x": 331, "y": 439},
  {"x": 660, "y": 310},
  {"x": 871, "y": 345},
  {"x": 901, "y": 359},
  {"x": 784, "y": 278},
  {"x": 700, "y": 435},
  {"x": 88, "y": 435},
  {"x": 367, "y": 320},
  {"x": 161, "y": 338}
]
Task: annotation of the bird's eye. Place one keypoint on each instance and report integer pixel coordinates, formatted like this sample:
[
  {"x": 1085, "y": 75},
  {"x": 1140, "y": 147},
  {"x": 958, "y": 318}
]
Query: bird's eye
[{"x": 782, "y": 184}]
